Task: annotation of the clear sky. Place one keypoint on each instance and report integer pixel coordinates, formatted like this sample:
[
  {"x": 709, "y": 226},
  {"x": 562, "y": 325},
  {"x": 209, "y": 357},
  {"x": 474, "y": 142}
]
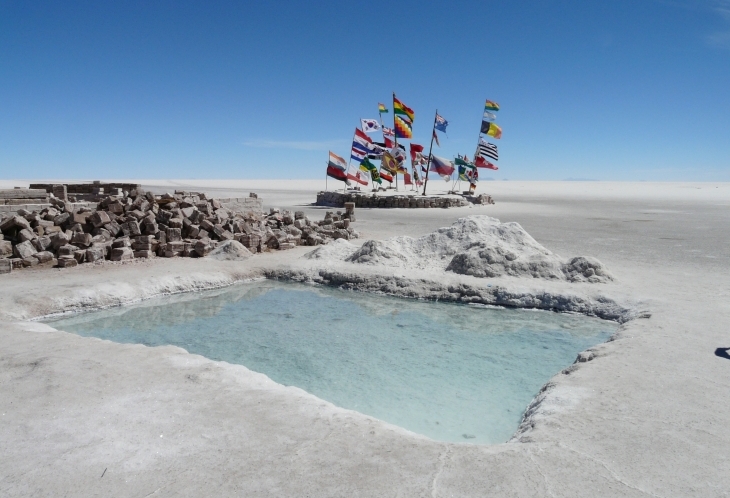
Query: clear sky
[{"x": 610, "y": 90}]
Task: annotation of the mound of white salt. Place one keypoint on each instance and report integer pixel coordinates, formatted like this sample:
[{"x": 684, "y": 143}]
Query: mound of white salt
[
  {"x": 480, "y": 246},
  {"x": 230, "y": 250}
]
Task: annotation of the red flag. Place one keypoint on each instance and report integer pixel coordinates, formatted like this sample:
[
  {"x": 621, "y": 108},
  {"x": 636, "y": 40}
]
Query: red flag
[
  {"x": 436, "y": 138},
  {"x": 480, "y": 162},
  {"x": 389, "y": 143},
  {"x": 407, "y": 179},
  {"x": 385, "y": 176},
  {"x": 414, "y": 149}
]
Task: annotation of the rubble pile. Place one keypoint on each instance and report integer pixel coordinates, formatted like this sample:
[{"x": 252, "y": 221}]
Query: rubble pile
[{"x": 138, "y": 224}]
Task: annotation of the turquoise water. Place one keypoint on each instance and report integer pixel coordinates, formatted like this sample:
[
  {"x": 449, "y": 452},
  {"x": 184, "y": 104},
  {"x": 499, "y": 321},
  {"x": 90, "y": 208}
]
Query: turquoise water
[{"x": 450, "y": 372}]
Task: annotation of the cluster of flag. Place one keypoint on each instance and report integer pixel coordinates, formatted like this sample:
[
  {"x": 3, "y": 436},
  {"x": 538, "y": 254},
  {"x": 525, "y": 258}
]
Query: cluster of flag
[
  {"x": 393, "y": 155},
  {"x": 486, "y": 150}
]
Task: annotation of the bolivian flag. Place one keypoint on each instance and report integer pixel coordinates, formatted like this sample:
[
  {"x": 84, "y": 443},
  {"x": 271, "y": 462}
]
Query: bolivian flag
[
  {"x": 402, "y": 109},
  {"x": 491, "y": 106},
  {"x": 382, "y": 108}
]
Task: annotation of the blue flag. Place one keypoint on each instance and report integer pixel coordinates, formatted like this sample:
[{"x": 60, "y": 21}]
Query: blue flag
[{"x": 441, "y": 124}]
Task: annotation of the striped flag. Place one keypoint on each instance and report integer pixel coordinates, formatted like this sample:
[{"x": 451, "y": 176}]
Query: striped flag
[
  {"x": 336, "y": 167},
  {"x": 491, "y": 106},
  {"x": 403, "y": 117},
  {"x": 488, "y": 150},
  {"x": 442, "y": 166},
  {"x": 382, "y": 108},
  {"x": 361, "y": 146}
]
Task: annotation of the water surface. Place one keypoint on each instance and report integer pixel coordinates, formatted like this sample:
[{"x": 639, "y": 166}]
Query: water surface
[{"x": 450, "y": 372}]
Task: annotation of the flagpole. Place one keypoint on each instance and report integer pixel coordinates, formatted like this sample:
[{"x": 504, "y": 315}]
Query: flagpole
[
  {"x": 395, "y": 136},
  {"x": 430, "y": 149}
]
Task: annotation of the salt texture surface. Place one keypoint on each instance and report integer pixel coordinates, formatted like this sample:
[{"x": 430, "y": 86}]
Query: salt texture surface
[
  {"x": 450, "y": 372},
  {"x": 476, "y": 245}
]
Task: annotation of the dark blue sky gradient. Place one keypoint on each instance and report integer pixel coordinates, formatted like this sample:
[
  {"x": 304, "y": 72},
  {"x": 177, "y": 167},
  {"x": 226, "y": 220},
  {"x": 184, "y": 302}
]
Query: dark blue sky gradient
[{"x": 622, "y": 90}]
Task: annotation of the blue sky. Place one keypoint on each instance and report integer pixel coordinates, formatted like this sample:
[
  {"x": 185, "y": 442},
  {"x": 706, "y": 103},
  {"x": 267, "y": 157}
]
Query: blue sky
[{"x": 620, "y": 90}]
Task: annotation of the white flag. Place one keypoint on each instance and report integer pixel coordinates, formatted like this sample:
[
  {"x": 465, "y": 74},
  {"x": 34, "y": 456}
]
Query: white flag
[{"x": 370, "y": 125}]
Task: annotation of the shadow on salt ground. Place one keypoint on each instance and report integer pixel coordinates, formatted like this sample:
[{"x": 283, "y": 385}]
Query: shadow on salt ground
[{"x": 722, "y": 353}]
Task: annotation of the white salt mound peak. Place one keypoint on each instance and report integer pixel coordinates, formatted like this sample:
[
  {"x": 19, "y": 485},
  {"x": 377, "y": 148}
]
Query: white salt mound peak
[
  {"x": 230, "y": 250},
  {"x": 480, "y": 246}
]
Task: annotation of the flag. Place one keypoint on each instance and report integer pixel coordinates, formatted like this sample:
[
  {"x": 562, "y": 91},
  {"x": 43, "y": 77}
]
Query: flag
[
  {"x": 337, "y": 162},
  {"x": 441, "y": 124},
  {"x": 491, "y": 106},
  {"x": 382, "y": 108},
  {"x": 389, "y": 163},
  {"x": 468, "y": 172},
  {"x": 491, "y": 129},
  {"x": 463, "y": 161},
  {"x": 407, "y": 179},
  {"x": 370, "y": 125},
  {"x": 388, "y": 132},
  {"x": 403, "y": 110},
  {"x": 480, "y": 162},
  {"x": 369, "y": 167},
  {"x": 489, "y": 116},
  {"x": 356, "y": 177},
  {"x": 403, "y": 127},
  {"x": 442, "y": 166},
  {"x": 361, "y": 145},
  {"x": 336, "y": 168},
  {"x": 415, "y": 148},
  {"x": 488, "y": 150},
  {"x": 388, "y": 142},
  {"x": 436, "y": 138},
  {"x": 385, "y": 176}
]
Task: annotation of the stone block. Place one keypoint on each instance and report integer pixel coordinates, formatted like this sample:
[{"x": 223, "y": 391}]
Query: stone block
[
  {"x": 207, "y": 226},
  {"x": 188, "y": 211},
  {"x": 42, "y": 243},
  {"x": 122, "y": 254},
  {"x": 14, "y": 222},
  {"x": 131, "y": 228},
  {"x": 67, "y": 262},
  {"x": 59, "y": 239},
  {"x": 43, "y": 256},
  {"x": 6, "y": 266},
  {"x": 99, "y": 219},
  {"x": 173, "y": 235},
  {"x": 79, "y": 218},
  {"x": 116, "y": 208},
  {"x": 67, "y": 250},
  {"x": 144, "y": 254},
  {"x": 121, "y": 242},
  {"x": 28, "y": 262},
  {"x": 24, "y": 250},
  {"x": 202, "y": 247},
  {"x": 175, "y": 223},
  {"x": 6, "y": 248},
  {"x": 80, "y": 256},
  {"x": 61, "y": 219},
  {"x": 81, "y": 239},
  {"x": 95, "y": 254}
]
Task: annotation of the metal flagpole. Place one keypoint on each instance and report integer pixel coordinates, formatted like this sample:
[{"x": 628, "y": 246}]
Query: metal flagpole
[
  {"x": 430, "y": 149},
  {"x": 395, "y": 137}
]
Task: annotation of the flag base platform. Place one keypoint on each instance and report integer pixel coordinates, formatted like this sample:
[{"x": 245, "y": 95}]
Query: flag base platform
[{"x": 410, "y": 200}]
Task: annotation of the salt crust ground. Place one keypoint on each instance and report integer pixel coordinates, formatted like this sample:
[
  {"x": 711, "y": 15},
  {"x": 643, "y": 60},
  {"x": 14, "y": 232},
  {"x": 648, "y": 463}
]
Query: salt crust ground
[{"x": 641, "y": 415}]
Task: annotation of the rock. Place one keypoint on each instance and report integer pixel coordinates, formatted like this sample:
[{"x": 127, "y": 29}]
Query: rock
[
  {"x": 14, "y": 222},
  {"x": 26, "y": 234},
  {"x": 95, "y": 254},
  {"x": 67, "y": 262},
  {"x": 99, "y": 219},
  {"x": 80, "y": 255},
  {"x": 5, "y": 266},
  {"x": 24, "y": 250},
  {"x": 230, "y": 250},
  {"x": 67, "y": 250},
  {"x": 43, "y": 256},
  {"x": 27, "y": 262},
  {"x": 122, "y": 254},
  {"x": 121, "y": 242},
  {"x": 81, "y": 239},
  {"x": 6, "y": 248},
  {"x": 144, "y": 254}
]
